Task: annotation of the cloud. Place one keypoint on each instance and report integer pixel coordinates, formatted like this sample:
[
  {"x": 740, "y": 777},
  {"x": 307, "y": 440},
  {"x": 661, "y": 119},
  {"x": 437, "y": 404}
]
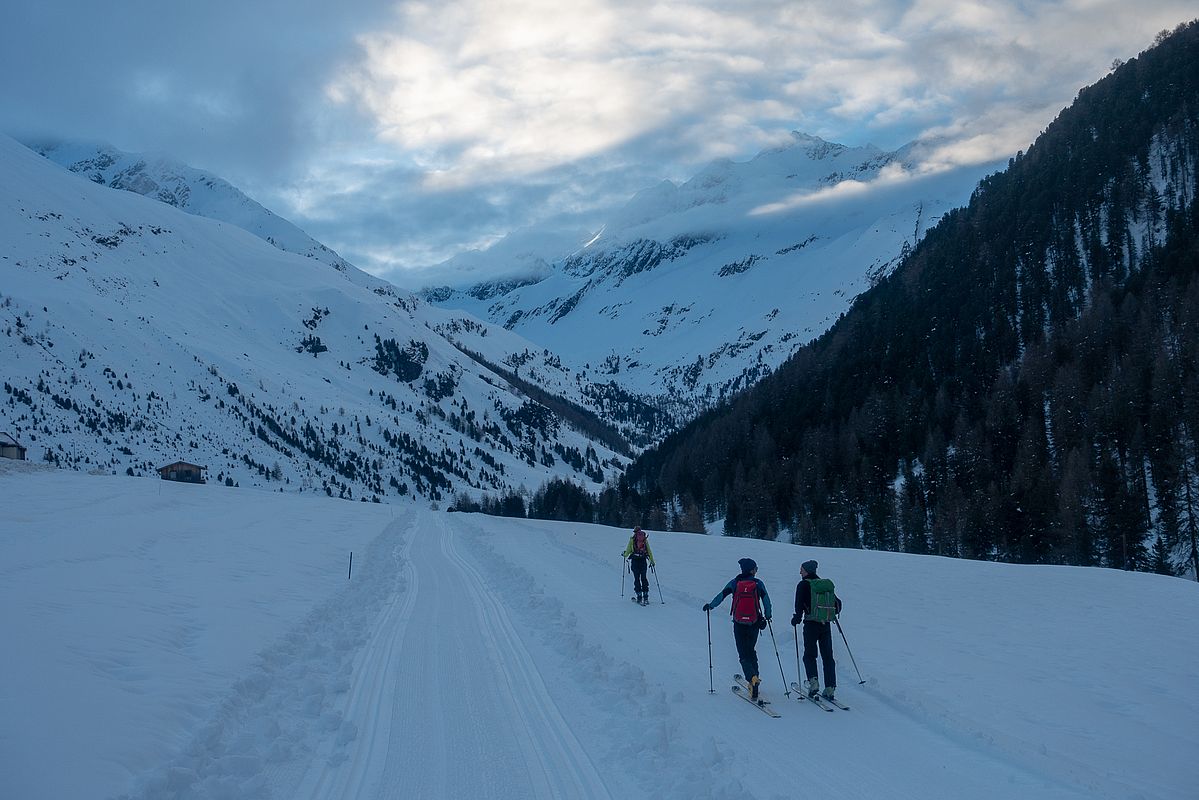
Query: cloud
[{"x": 404, "y": 132}]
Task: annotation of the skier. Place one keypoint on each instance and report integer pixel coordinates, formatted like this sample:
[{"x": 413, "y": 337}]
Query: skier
[
  {"x": 817, "y": 605},
  {"x": 751, "y": 611},
  {"x": 639, "y": 554}
]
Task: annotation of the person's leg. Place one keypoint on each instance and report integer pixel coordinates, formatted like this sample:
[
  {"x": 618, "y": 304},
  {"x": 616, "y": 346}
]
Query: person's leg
[
  {"x": 826, "y": 656},
  {"x": 640, "y": 582},
  {"x": 811, "y": 634},
  {"x": 746, "y": 637}
]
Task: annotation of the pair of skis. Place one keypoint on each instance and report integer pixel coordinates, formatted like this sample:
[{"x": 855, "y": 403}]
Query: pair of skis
[
  {"x": 827, "y": 703},
  {"x": 742, "y": 690}
]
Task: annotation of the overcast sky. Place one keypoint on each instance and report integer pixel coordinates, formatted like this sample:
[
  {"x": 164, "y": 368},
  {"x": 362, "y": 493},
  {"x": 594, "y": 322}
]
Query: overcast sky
[{"x": 401, "y": 133}]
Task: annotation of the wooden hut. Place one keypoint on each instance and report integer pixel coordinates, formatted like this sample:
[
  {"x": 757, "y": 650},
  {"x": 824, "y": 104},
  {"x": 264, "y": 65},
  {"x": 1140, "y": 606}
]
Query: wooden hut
[
  {"x": 182, "y": 471},
  {"x": 11, "y": 448}
]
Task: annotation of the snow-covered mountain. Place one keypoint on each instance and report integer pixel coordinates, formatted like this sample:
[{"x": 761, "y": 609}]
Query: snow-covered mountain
[
  {"x": 136, "y": 334},
  {"x": 694, "y": 291},
  {"x": 469, "y": 656},
  {"x": 189, "y": 189}
]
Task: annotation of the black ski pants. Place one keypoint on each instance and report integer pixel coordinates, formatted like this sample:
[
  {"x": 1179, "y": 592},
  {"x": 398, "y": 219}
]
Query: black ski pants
[
  {"x": 819, "y": 634},
  {"x": 638, "y": 565},
  {"x": 746, "y": 637}
]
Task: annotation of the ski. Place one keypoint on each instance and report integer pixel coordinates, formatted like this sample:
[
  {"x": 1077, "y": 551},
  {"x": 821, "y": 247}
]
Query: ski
[
  {"x": 740, "y": 679},
  {"x": 818, "y": 700},
  {"x": 835, "y": 702},
  {"x": 760, "y": 704}
]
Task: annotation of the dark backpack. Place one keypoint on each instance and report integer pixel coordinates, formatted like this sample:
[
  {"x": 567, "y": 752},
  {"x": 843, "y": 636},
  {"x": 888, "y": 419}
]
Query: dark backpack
[
  {"x": 639, "y": 543},
  {"x": 824, "y": 601},
  {"x": 745, "y": 602}
]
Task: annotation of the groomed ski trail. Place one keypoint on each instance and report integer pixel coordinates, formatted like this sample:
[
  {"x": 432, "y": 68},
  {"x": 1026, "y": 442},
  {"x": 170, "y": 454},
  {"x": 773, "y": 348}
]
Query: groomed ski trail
[{"x": 447, "y": 700}]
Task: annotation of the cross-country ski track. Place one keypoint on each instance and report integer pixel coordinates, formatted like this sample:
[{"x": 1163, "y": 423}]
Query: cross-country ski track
[
  {"x": 477, "y": 657},
  {"x": 477, "y": 671}
]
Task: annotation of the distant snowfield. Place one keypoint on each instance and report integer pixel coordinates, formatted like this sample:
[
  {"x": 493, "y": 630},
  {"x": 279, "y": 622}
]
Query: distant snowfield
[{"x": 166, "y": 640}]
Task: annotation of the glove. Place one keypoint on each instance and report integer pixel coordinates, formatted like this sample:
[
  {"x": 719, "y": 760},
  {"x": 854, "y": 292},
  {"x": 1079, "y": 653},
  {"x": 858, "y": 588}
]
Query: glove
[
  {"x": 762, "y": 624},
  {"x": 794, "y": 620},
  {"x": 707, "y": 607}
]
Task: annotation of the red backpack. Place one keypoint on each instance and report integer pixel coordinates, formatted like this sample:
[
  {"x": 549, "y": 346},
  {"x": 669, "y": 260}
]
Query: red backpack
[
  {"x": 745, "y": 602},
  {"x": 639, "y": 543}
]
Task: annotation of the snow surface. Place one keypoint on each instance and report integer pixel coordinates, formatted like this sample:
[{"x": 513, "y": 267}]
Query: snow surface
[{"x": 169, "y": 640}]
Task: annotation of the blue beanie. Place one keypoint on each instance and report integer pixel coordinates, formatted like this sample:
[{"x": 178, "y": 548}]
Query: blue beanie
[{"x": 748, "y": 565}]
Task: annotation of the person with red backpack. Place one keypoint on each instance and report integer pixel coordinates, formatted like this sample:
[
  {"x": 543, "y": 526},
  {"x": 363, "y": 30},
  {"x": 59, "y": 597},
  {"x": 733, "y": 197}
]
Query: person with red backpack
[
  {"x": 751, "y": 612},
  {"x": 817, "y": 606},
  {"x": 640, "y": 558}
]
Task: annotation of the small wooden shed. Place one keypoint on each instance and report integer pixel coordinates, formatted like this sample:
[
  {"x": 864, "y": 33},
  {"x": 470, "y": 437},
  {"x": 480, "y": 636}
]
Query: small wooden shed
[
  {"x": 11, "y": 448},
  {"x": 182, "y": 471}
]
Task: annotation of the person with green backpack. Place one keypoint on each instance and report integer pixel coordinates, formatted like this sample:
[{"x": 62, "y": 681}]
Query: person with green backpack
[{"x": 817, "y": 606}]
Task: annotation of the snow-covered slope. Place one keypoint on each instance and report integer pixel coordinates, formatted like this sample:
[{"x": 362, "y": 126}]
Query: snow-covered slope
[
  {"x": 204, "y": 194},
  {"x": 693, "y": 291},
  {"x": 186, "y": 188},
  {"x": 172, "y": 641},
  {"x": 135, "y": 335}
]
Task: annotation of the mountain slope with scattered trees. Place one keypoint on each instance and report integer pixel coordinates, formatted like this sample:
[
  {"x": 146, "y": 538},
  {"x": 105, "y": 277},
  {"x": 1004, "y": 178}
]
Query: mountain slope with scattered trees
[{"x": 1025, "y": 386}]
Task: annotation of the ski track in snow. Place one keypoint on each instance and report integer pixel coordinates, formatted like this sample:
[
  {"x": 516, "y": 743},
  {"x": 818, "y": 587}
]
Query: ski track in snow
[
  {"x": 285, "y": 714},
  {"x": 666, "y": 753},
  {"x": 446, "y": 669}
]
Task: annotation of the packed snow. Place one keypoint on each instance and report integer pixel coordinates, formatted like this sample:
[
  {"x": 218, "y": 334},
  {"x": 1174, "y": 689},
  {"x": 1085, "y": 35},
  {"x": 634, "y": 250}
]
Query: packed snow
[{"x": 168, "y": 640}]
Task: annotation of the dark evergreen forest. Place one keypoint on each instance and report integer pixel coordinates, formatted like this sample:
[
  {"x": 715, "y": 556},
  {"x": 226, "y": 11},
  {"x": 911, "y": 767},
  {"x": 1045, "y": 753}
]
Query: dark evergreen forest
[{"x": 1023, "y": 387}]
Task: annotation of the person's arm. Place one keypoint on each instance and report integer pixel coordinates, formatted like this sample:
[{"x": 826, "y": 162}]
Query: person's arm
[
  {"x": 629, "y": 548},
  {"x": 765, "y": 600},
  {"x": 838, "y": 599},
  {"x": 725, "y": 592},
  {"x": 649, "y": 551},
  {"x": 803, "y": 599}
]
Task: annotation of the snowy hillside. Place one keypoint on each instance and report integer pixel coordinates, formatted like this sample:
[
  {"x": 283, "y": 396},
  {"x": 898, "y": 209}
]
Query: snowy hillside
[
  {"x": 165, "y": 640},
  {"x": 693, "y": 291},
  {"x": 204, "y": 194},
  {"x": 136, "y": 335},
  {"x": 186, "y": 188}
]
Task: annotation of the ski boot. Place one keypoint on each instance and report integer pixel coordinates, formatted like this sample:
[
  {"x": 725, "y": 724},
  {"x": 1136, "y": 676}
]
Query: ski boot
[
  {"x": 828, "y": 692},
  {"x": 754, "y": 683},
  {"x": 813, "y": 687}
]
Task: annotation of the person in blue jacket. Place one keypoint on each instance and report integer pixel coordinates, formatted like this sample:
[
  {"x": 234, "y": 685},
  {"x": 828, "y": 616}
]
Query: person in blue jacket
[{"x": 751, "y": 611}]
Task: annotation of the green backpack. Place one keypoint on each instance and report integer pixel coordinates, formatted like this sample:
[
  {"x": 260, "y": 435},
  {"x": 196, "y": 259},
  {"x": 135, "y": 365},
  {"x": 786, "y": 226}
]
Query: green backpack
[{"x": 824, "y": 601}]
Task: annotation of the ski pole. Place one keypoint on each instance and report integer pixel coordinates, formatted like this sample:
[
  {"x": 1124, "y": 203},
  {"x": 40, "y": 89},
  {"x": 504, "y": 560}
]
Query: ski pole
[
  {"x": 655, "y": 571},
  {"x": 711, "y": 684},
  {"x": 624, "y": 567},
  {"x": 786, "y": 686},
  {"x": 861, "y": 680}
]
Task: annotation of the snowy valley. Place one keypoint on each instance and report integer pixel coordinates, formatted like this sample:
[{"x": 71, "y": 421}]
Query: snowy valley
[
  {"x": 136, "y": 335},
  {"x": 174, "y": 641}
]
